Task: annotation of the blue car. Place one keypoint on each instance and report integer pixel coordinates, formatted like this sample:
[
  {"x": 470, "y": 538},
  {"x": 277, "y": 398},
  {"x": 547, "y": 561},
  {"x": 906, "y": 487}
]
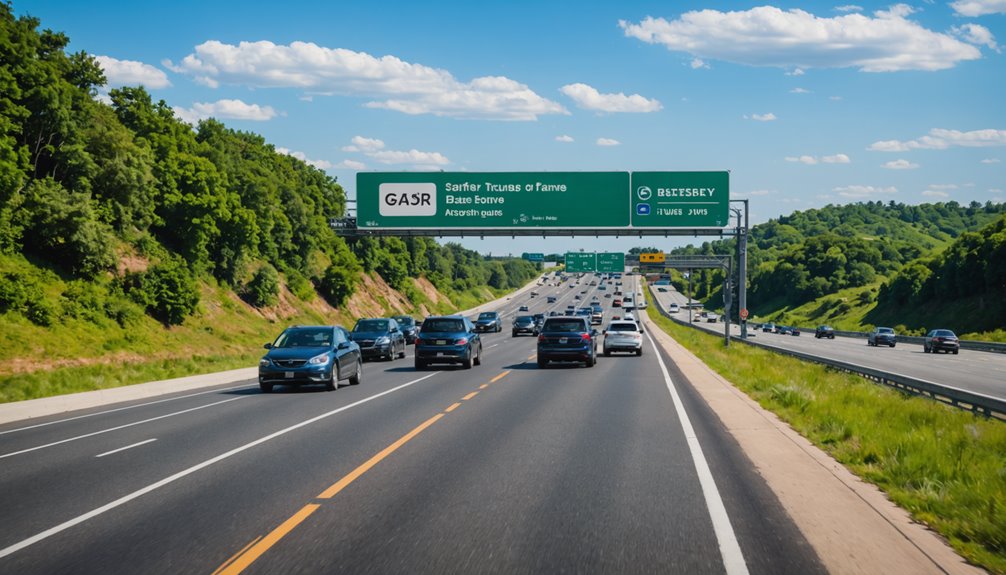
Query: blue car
[
  {"x": 316, "y": 354},
  {"x": 567, "y": 338},
  {"x": 448, "y": 339}
]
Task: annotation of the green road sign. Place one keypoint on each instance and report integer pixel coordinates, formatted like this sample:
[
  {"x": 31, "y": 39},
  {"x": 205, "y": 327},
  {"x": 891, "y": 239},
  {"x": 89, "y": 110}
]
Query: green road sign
[
  {"x": 533, "y": 257},
  {"x": 410, "y": 200},
  {"x": 611, "y": 262},
  {"x": 579, "y": 262},
  {"x": 680, "y": 199}
]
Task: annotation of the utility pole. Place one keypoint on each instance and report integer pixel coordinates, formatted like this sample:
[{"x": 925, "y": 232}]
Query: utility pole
[{"x": 742, "y": 265}]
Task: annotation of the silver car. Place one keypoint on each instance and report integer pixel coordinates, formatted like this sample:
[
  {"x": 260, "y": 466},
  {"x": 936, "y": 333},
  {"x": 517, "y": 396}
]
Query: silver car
[{"x": 622, "y": 335}]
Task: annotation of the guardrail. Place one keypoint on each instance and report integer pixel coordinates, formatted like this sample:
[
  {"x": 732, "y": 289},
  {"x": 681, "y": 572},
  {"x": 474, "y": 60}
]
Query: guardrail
[{"x": 961, "y": 398}]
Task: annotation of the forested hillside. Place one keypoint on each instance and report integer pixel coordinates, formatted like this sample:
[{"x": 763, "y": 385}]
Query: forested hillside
[
  {"x": 114, "y": 214},
  {"x": 808, "y": 256}
]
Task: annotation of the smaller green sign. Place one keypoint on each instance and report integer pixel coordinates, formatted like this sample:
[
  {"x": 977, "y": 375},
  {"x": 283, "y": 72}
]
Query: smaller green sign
[
  {"x": 611, "y": 262},
  {"x": 581, "y": 262},
  {"x": 533, "y": 257}
]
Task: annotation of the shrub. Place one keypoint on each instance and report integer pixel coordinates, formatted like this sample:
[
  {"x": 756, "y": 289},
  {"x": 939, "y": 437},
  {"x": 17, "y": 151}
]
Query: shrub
[
  {"x": 337, "y": 285},
  {"x": 299, "y": 285},
  {"x": 168, "y": 291},
  {"x": 263, "y": 289}
]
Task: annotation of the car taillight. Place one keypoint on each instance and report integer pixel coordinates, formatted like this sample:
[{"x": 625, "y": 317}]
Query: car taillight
[
  {"x": 541, "y": 339},
  {"x": 461, "y": 341},
  {"x": 585, "y": 337}
]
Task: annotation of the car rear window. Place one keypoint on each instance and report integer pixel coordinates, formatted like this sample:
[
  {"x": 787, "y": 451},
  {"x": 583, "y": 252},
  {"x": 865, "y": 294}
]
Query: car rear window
[
  {"x": 487, "y": 315},
  {"x": 524, "y": 318},
  {"x": 431, "y": 325},
  {"x": 564, "y": 325},
  {"x": 623, "y": 326},
  {"x": 945, "y": 333}
]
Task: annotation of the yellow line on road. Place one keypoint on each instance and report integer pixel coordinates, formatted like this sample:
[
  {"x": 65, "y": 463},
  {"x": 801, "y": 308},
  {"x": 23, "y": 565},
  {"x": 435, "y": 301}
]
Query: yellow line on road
[
  {"x": 236, "y": 555},
  {"x": 469, "y": 396},
  {"x": 453, "y": 407},
  {"x": 243, "y": 561},
  {"x": 532, "y": 356},
  {"x": 345, "y": 481},
  {"x": 483, "y": 386},
  {"x": 500, "y": 376}
]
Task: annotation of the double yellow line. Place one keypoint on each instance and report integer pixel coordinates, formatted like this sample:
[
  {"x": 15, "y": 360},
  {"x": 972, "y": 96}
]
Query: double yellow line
[{"x": 245, "y": 557}]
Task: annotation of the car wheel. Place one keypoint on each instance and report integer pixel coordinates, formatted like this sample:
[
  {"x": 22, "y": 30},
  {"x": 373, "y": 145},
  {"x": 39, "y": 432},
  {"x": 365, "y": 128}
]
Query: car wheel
[
  {"x": 358, "y": 376},
  {"x": 639, "y": 352},
  {"x": 925, "y": 349},
  {"x": 892, "y": 345},
  {"x": 420, "y": 364},
  {"x": 333, "y": 381},
  {"x": 607, "y": 352},
  {"x": 542, "y": 363},
  {"x": 478, "y": 358},
  {"x": 955, "y": 351},
  {"x": 467, "y": 363},
  {"x": 265, "y": 387},
  {"x": 591, "y": 361},
  {"x": 513, "y": 334},
  {"x": 401, "y": 354}
]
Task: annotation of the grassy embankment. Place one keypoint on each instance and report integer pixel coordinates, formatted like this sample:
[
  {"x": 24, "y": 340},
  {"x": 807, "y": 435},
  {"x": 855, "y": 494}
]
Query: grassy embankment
[
  {"x": 945, "y": 466},
  {"x": 92, "y": 351}
]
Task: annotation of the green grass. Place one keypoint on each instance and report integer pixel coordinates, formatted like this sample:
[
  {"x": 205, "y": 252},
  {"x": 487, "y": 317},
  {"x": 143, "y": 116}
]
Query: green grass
[{"x": 945, "y": 466}]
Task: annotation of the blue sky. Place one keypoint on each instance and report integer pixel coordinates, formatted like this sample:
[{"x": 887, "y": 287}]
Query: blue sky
[{"x": 805, "y": 103}]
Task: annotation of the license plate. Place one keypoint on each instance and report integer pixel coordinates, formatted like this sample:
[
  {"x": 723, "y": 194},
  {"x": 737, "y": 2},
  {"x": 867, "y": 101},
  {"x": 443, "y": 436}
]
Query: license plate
[
  {"x": 562, "y": 340},
  {"x": 441, "y": 342},
  {"x": 440, "y": 354},
  {"x": 288, "y": 374}
]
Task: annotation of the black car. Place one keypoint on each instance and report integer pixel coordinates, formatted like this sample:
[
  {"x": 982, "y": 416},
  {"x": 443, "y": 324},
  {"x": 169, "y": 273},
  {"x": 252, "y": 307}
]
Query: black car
[
  {"x": 409, "y": 327},
  {"x": 524, "y": 324},
  {"x": 567, "y": 338},
  {"x": 448, "y": 339},
  {"x": 941, "y": 340},
  {"x": 379, "y": 337},
  {"x": 539, "y": 319},
  {"x": 881, "y": 336},
  {"x": 489, "y": 321},
  {"x": 824, "y": 331},
  {"x": 314, "y": 354}
]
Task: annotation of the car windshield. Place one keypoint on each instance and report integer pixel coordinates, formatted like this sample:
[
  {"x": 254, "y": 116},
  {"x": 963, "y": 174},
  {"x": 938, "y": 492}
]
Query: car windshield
[
  {"x": 623, "y": 326},
  {"x": 884, "y": 330},
  {"x": 432, "y": 325},
  {"x": 371, "y": 325},
  {"x": 487, "y": 315},
  {"x": 944, "y": 333},
  {"x": 564, "y": 325},
  {"x": 406, "y": 321},
  {"x": 304, "y": 338}
]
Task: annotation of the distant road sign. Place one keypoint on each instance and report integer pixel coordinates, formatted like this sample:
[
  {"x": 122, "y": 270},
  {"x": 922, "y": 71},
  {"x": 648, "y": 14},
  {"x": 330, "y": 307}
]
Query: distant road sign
[
  {"x": 533, "y": 257},
  {"x": 611, "y": 262},
  {"x": 581, "y": 262},
  {"x": 744, "y": 313},
  {"x": 651, "y": 258}
]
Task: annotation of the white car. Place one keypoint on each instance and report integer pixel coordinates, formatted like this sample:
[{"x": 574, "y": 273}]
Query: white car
[
  {"x": 623, "y": 335},
  {"x": 674, "y": 308},
  {"x": 712, "y": 318}
]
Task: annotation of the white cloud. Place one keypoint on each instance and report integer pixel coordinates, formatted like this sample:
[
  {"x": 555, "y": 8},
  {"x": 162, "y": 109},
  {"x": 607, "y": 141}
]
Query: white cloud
[
  {"x": 836, "y": 159},
  {"x": 564, "y": 138},
  {"x": 935, "y": 194},
  {"x": 974, "y": 8},
  {"x": 979, "y": 35},
  {"x": 351, "y": 165},
  {"x": 697, "y": 64},
  {"x": 991, "y": 161},
  {"x": 608, "y": 142},
  {"x": 849, "y": 8},
  {"x": 944, "y": 187},
  {"x": 375, "y": 150},
  {"x": 768, "y": 36},
  {"x": 812, "y": 160},
  {"x": 861, "y": 192},
  {"x": 796, "y": 72},
  {"x": 588, "y": 98},
  {"x": 361, "y": 144},
  {"x": 320, "y": 164},
  {"x": 225, "y": 109},
  {"x": 397, "y": 85},
  {"x": 799, "y": 91},
  {"x": 763, "y": 117},
  {"x": 940, "y": 139},
  {"x": 900, "y": 165},
  {"x": 131, "y": 73}
]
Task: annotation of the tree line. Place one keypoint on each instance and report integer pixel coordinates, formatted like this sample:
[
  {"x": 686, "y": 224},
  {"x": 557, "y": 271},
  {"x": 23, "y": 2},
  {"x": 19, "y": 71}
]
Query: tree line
[{"x": 86, "y": 181}]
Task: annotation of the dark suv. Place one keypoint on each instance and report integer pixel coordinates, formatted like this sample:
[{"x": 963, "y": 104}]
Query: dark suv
[
  {"x": 379, "y": 337},
  {"x": 941, "y": 340},
  {"x": 408, "y": 326},
  {"x": 489, "y": 321},
  {"x": 881, "y": 336},
  {"x": 315, "y": 354},
  {"x": 824, "y": 331},
  {"x": 566, "y": 338},
  {"x": 448, "y": 339}
]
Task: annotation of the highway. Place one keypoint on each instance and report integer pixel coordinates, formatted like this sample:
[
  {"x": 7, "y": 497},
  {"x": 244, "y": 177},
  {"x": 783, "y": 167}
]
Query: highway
[
  {"x": 504, "y": 468},
  {"x": 975, "y": 371}
]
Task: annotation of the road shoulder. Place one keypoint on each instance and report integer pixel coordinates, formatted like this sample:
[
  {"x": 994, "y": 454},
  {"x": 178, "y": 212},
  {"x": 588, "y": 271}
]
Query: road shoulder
[{"x": 851, "y": 524}]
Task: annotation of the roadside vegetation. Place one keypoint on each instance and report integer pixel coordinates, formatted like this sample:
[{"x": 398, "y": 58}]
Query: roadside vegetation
[{"x": 946, "y": 466}]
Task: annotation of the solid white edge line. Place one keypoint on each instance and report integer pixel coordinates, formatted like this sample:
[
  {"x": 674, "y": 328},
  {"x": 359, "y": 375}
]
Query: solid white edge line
[
  {"x": 730, "y": 549},
  {"x": 92, "y": 434},
  {"x": 171, "y": 479},
  {"x": 126, "y": 447}
]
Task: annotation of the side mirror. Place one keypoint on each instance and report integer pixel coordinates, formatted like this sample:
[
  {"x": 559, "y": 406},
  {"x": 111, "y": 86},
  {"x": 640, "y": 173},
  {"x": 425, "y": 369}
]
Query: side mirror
[
  {"x": 343, "y": 345},
  {"x": 267, "y": 346}
]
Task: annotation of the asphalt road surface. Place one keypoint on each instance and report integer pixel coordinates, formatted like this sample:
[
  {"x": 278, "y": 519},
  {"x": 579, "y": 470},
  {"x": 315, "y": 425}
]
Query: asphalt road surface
[
  {"x": 503, "y": 468},
  {"x": 976, "y": 371}
]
